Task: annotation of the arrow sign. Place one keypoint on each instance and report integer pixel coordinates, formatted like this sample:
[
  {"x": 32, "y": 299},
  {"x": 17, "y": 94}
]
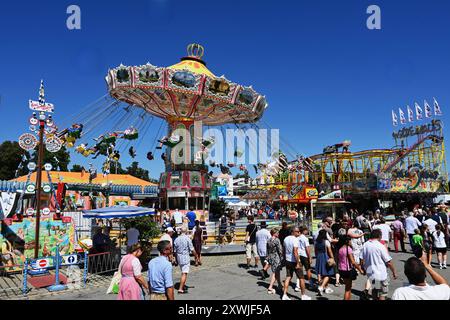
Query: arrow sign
[{"x": 69, "y": 259}]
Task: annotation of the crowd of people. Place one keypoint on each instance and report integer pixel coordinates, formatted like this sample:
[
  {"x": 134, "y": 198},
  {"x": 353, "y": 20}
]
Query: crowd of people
[
  {"x": 355, "y": 245},
  {"x": 337, "y": 253},
  {"x": 183, "y": 236}
]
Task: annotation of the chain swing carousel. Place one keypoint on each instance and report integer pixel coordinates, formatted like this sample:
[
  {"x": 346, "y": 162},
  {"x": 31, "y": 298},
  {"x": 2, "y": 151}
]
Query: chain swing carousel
[{"x": 184, "y": 94}]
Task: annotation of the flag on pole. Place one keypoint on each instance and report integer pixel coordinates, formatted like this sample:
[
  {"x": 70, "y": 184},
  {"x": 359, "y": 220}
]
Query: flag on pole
[
  {"x": 427, "y": 109},
  {"x": 402, "y": 116},
  {"x": 42, "y": 94},
  {"x": 394, "y": 118},
  {"x": 410, "y": 114},
  {"x": 419, "y": 112},
  {"x": 437, "y": 108}
]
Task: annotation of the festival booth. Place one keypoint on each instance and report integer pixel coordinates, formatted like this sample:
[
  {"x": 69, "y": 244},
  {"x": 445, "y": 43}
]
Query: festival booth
[
  {"x": 330, "y": 205},
  {"x": 115, "y": 213}
]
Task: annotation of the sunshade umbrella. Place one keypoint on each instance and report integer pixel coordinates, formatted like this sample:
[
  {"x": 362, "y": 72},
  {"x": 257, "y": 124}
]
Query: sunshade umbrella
[{"x": 117, "y": 212}]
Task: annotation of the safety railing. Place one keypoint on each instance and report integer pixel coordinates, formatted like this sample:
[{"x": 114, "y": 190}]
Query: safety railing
[{"x": 100, "y": 266}]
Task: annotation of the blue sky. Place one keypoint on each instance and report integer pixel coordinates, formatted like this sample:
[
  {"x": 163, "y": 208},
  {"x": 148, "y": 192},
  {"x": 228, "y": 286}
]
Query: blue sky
[{"x": 327, "y": 77}]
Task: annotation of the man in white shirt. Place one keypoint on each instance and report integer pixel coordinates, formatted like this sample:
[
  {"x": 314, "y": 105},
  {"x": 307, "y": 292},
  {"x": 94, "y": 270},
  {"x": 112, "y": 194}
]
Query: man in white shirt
[
  {"x": 262, "y": 236},
  {"x": 385, "y": 232},
  {"x": 411, "y": 224},
  {"x": 178, "y": 217},
  {"x": 168, "y": 237},
  {"x": 374, "y": 258},
  {"x": 415, "y": 271},
  {"x": 305, "y": 256},
  {"x": 293, "y": 264},
  {"x": 431, "y": 223}
]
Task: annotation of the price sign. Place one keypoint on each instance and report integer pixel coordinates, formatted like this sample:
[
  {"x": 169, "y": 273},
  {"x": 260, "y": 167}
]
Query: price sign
[
  {"x": 45, "y": 212},
  {"x": 30, "y": 212},
  {"x": 31, "y": 188},
  {"x": 47, "y": 188}
]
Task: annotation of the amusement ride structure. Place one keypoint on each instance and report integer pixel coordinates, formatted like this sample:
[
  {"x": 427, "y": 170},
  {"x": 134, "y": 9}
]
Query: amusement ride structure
[{"x": 184, "y": 95}]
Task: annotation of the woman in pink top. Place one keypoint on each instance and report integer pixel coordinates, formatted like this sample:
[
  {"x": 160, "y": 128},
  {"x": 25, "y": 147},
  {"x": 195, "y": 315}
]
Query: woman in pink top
[
  {"x": 130, "y": 268},
  {"x": 346, "y": 266}
]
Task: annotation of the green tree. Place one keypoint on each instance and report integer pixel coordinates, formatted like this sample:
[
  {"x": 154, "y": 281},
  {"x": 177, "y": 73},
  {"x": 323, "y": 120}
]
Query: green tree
[
  {"x": 77, "y": 168},
  {"x": 10, "y": 157},
  {"x": 62, "y": 156},
  {"x": 138, "y": 172},
  {"x": 116, "y": 168}
]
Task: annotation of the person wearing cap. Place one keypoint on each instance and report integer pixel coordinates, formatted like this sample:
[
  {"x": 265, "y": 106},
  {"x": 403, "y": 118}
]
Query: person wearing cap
[
  {"x": 168, "y": 237},
  {"x": 262, "y": 236},
  {"x": 182, "y": 248},
  {"x": 160, "y": 273}
]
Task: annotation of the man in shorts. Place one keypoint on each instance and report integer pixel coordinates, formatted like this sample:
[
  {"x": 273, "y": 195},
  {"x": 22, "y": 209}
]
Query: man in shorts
[
  {"x": 304, "y": 252},
  {"x": 250, "y": 242},
  {"x": 293, "y": 264},
  {"x": 374, "y": 258},
  {"x": 182, "y": 248}
]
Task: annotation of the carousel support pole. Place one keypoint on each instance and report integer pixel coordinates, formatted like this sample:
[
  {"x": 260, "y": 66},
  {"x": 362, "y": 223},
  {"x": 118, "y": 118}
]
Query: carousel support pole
[{"x": 38, "y": 186}]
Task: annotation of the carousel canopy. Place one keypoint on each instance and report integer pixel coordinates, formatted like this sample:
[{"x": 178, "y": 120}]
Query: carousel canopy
[
  {"x": 187, "y": 89},
  {"x": 117, "y": 212}
]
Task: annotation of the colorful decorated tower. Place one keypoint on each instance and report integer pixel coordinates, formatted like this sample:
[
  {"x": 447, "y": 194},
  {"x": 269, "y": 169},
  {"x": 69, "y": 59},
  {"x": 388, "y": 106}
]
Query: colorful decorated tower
[{"x": 187, "y": 95}]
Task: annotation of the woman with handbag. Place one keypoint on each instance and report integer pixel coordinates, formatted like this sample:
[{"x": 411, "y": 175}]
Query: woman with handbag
[
  {"x": 324, "y": 261},
  {"x": 130, "y": 286},
  {"x": 347, "y": 266}
]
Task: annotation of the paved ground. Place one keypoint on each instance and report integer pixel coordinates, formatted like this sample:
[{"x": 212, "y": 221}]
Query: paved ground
[{"x": 224, "y": 278}]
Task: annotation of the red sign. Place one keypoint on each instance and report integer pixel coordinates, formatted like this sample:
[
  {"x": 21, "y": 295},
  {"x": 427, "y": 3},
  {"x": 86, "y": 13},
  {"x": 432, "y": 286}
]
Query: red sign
[
  {"x": 42, "y": 263},
  {"x": 66, "y": 219}
]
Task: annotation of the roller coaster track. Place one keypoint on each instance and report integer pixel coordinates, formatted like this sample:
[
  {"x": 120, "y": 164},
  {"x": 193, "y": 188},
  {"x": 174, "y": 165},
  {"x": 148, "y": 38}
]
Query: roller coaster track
[{"x": 392, "y": 164}]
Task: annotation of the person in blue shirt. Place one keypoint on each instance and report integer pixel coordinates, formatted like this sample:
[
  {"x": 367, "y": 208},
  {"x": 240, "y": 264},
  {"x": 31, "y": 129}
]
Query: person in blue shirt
[
  {"x": 191, "y": 217},
  {"x": 160, "y": 274}
]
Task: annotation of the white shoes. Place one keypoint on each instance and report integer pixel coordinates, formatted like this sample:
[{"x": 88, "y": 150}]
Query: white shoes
[
  {"x": 322, "y": 290},
  {"x": 297, "y": 289},
  {"x": 305, "y": 297},
  {"x": 285, "y": 297}
]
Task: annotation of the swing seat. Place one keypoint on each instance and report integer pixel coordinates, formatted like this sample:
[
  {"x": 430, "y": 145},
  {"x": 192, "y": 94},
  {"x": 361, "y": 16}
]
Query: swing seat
[
  {"x": 238, "y": 153},
  {"x": 131, "y": 136},
  {"x": 173, "y": 141}
]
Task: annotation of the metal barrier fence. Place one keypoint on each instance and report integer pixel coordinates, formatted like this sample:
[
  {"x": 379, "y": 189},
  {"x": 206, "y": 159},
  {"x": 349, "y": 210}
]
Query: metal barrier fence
[
  {"x": 105, "y": 263},
  {"x": 73, "y": 271}
]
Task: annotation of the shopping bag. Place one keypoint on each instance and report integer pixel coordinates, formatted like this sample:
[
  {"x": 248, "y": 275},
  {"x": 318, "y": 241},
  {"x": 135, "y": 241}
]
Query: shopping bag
[{"x": 114, "y": 285}]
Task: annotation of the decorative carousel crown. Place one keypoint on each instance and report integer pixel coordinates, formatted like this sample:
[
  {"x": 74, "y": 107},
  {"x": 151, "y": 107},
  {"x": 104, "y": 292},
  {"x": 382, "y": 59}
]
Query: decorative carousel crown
[{"x": 195, "y": 50}]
